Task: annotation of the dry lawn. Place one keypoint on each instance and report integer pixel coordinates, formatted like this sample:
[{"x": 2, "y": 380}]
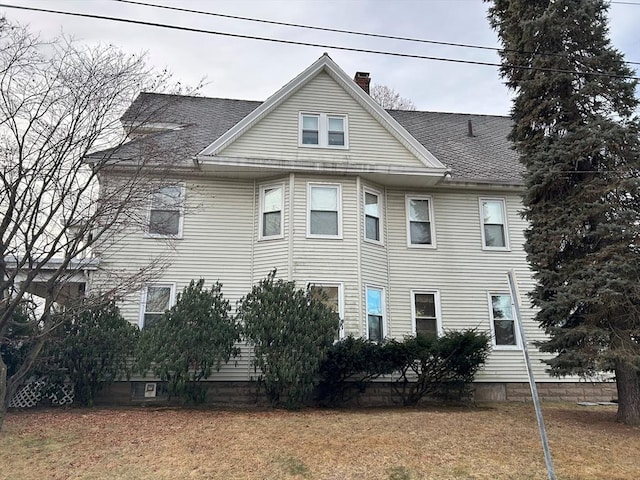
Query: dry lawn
[{"x": 499, "y": 441}]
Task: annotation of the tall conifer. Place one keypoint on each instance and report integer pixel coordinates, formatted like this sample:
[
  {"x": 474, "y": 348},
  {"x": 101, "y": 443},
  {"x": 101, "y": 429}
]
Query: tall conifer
[{"x": 577, "y": 135}]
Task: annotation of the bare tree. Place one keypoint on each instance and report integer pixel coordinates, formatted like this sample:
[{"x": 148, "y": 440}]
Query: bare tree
[
  {"x": 389, "y": 99},
  {"x": 61, "y": 102}
]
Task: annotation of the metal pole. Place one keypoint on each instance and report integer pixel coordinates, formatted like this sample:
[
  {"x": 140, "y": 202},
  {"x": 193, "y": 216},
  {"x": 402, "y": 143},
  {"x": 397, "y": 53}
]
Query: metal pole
[{"x": 515, "y": 300}]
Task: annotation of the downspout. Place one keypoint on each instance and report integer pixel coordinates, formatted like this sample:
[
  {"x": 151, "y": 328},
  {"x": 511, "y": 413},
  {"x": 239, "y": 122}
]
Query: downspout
[
  {"x": 386, "y": 252},
  {"x": 292, "y": 182},
  {"x": 359, "y": 221},
  {"x": 254, "y": 237}
]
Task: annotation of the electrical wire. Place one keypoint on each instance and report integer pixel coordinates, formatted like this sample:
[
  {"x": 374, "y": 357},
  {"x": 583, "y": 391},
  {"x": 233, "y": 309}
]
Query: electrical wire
[
  {"x": 320, "y": 45},
  {"x": 337, "y": 30}
]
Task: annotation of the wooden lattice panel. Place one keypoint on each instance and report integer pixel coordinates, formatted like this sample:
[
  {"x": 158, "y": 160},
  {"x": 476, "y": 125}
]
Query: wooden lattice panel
[{"x": 31, "y": 394}]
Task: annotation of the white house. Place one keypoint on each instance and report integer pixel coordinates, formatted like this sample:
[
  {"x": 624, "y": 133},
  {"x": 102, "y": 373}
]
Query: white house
[{"x": 408, "y": 220}]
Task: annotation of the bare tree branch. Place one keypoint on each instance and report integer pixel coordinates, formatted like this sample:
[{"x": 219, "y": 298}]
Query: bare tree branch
[
  {"x": 60, "y": 134},
  {"x": 389, "y": 99}
]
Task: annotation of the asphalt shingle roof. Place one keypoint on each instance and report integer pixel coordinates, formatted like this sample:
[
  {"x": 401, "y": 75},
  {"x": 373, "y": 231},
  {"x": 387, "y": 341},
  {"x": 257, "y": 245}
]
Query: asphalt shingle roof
[{"x": 485, "y": 157}]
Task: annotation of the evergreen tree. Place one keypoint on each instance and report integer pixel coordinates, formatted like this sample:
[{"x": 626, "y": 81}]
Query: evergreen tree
[{"x": 576, "y": 133}]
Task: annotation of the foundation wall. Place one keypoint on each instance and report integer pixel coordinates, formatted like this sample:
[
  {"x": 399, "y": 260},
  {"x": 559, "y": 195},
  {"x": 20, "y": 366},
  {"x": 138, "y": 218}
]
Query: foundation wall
[{"x": 376, "y": 394}]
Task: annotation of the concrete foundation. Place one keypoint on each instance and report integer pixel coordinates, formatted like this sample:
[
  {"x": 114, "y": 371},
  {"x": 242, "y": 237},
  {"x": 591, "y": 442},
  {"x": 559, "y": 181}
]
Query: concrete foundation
[{"x": 376, "y": 394}]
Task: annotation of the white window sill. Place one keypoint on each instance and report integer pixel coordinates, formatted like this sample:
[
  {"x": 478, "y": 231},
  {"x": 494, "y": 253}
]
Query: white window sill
[
  {"x": 373, "y": 242},
  {"x": 329, "y": 147},
  {"x": 324, "y": 237},
  {"x": 422, "y": 246},
  {"x": 270, "y": 238},
  {"x": 507, "y": 348},
  {"x": 158, "y": 236}
]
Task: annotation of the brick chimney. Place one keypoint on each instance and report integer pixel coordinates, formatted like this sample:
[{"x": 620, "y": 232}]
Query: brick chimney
[{"x": 363, "y": 80}]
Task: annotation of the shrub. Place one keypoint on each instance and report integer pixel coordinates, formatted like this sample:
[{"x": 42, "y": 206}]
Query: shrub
[
  {"x": 15, "y": 343},
  {"x": 291, "y": 331},
  {"x": 438, "y": 366},
  {"x": 191, "y": 339},
  {"x": 91, "y": 348},
  {"x": 424, "y": 365},
  {"x": 350, "y": 365}
]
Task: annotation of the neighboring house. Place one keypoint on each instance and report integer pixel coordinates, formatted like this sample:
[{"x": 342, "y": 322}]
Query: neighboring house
[{"x": 409, "y": 221}]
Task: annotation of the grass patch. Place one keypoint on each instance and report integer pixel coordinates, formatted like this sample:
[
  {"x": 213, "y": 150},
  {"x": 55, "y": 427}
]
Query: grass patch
[
  {"x": 492, "y": 442},
  {"x": 293, "y": 466},
  {"x": 399, "y": 473}
]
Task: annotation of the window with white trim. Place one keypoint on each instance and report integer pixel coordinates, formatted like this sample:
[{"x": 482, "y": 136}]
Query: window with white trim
[
  {"x": 372, "y": 216},
  {"x": 494, "y": 224},
  {"x": 156, "y": 299},
  {"x": 310, "y": 129},
  {"x": 426, "y": 312},
  {"x": 420, "y": 222},
  {"x": 336, "y": 131},
  {"x": 166, "y": 212},
  {"x": 503, "y": 326},
  {"x": 376, "y": 329},
  {"x": 331, "y": 295},
  {"x": 271, "y": 207},
  {"x": 323, "y": 130},
  {"x": 324, "y": 211}
]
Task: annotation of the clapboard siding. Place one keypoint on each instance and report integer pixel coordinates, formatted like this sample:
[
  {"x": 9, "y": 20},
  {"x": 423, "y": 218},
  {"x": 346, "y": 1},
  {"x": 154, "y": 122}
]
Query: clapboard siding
[
  {"x": 276, "y": 135},
  {"x": 329, "y": 260},
  {"x": 273, "y": 253},
  {"x": 218, "y": 233},
  {"x": 461, "y": 271},
  {"x": 221, "y": 243},
  {"x": 373, "y": 257}
]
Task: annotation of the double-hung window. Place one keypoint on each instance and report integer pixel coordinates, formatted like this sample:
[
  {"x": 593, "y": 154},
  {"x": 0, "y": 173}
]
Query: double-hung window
[
  {"x": 156, "y": 299},
  {"x": 420, "y": 222},
  {"x": 494, "y": 224},
  {"x": 271, "y": 206},
  {"x": 323, "y": 130},
  {"x": 324, "y": 211},
  {"x": 503, "y": 326},
  {"x": 331, "y": 295},
  {"x": 426, "y": 312},
  {"x": 372, "y": 217},
  {"x": 335, "y": 131},
  {"x": 376, "y": 329},
  {"x": 166, "y": 212},
  {"x": 310, "y": 129}
]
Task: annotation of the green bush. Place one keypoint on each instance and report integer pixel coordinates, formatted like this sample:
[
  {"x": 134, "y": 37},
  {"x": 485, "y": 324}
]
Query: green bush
[
  {"x": 423, "y": 365},
  {"x": 291, "y": 331},
  {"x": 91, "y": 349},
  {"x": 189, "y": 341},
  {"x": 15, "y": 343},
  {"x": 350, "y": 365},
  {"x": 438, "y": 366}
]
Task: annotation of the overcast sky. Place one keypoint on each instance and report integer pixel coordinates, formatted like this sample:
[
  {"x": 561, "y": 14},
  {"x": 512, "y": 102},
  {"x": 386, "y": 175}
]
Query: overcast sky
[{"x": 253, "y": 69}]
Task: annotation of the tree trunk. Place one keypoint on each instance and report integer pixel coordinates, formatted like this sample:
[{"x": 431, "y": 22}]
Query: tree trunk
[
  {"x": 628, "y": 384},
  {"x": 16, "y": 380},
  {"x": 3, "y": 391}
]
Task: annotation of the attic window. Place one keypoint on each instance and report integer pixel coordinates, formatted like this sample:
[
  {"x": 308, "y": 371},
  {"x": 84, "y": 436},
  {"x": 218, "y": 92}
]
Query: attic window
[{"x": 323, "y": 130}]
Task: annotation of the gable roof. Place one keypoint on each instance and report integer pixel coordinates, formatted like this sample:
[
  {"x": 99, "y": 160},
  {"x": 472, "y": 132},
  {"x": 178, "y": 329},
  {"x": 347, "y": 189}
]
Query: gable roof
[
  {"x": 486, "y": 157},
  {"x": 325, "y": 64}
]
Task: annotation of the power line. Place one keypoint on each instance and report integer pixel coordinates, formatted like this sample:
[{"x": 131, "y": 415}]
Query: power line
[
  {"x": 319, "y": 45},
  {"x": 337, "y": 30}
]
